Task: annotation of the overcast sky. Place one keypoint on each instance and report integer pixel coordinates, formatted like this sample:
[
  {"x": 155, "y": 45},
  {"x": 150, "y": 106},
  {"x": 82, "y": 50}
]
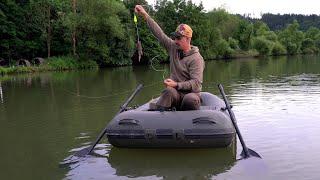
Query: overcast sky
[{"x": 257, "y": 7}]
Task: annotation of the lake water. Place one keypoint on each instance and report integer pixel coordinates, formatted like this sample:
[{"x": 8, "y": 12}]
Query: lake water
[{"x": 46, "y": 117}]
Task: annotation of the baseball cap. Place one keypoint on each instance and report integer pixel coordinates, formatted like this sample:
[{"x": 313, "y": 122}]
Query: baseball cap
[{"x": 182, "y": 30}]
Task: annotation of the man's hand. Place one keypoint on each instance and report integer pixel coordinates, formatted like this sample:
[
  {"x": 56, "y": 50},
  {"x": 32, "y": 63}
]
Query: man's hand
[
  {"x": 170, "y": 82},
  {"x": 140, "y": 10}
]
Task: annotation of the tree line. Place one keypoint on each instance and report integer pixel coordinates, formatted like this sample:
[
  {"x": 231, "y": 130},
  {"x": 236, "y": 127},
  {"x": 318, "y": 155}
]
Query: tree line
[
  {"x": 278, "y": 22},
  {"x": 103, "y": 31}
]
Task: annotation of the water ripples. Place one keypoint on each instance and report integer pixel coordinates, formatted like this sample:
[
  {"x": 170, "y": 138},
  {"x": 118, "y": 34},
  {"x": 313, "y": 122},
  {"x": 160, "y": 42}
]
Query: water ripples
[{"x": 279, "y": 116}]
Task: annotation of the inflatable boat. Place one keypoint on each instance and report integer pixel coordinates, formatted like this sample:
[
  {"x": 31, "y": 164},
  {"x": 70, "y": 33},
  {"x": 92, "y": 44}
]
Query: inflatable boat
[{"x": 210, "y": 126}]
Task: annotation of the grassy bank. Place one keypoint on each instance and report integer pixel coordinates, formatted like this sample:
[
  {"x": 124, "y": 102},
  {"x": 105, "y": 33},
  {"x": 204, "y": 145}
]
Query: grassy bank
[{"x": 52, "y": 64}]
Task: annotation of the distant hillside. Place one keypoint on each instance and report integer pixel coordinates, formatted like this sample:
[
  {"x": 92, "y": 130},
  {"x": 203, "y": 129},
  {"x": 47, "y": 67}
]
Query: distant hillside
[{"x": 278, "y": 22}]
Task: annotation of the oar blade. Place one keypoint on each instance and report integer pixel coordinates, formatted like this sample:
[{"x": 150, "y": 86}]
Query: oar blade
[
  {"x": 75, "y": 158},
  {"x": 83, "y": 152},
  {"x": 251, "y": 153},
  {"x": 86, "y": 151}
]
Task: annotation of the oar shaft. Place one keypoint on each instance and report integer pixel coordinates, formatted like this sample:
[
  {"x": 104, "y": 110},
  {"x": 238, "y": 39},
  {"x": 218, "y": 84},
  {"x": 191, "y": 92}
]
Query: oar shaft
[
  {"x": 122, "y": 108},
  {"x": 233, "y": 119}
]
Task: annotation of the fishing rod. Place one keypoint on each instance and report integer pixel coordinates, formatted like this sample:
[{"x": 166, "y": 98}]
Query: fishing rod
[
  {"x": 135, "y": 20},
  {"x": 138, "y": 44}
]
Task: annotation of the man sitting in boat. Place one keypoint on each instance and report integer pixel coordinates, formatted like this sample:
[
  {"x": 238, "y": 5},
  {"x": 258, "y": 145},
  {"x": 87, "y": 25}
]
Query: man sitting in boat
[{"x": 186, "y": 67}]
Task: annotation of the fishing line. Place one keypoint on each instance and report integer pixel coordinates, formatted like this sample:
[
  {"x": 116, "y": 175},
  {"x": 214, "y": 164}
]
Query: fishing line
[
  {"x": 95, "y": 97},
  {"x": 158, "y": 70},
  {"x": 107, "y": 96},
  {"x": 135, "y": 19}
]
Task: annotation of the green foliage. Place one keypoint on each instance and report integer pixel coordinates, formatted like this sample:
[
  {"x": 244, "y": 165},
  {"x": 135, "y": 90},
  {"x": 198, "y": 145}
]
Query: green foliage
[
  {"x": 291, "y": 38},
  {"x": 244, "y": 34},
  {"x": 260, "y": 28},
  {"x": 205, "y": 35},
  {"x": 169, "y": 14},
  {"x": 225, "y": 22},
  {"x": 4, "y": 70},
  {"x": 262, "y": 45},
  {"x": 209, "y": 42},
  {"x": 272, "y": 36},
  {"x": 278, "y": 22},
  {"x": 278, "y": 49},
  {"x": 233, "y": 43},
  {"x": 52, "y": 64},
  {"x": 292, "y": 48},
  {"x": 17, "y": 32},
  {"x": 151, "y": 47},
  {"x": 100, "y": 28},
  {"x": 307, "y": 46},
  {"x": 220, "y": 26},
  {"x": 66, "y": 63},
  {"x": 224, "y": 49},
  {"x": 105, "y": 32},
  {"x": 313, "y": 33},
  {"x": 18, "y": 69},
  {"x": 317, "y": 43},
  {"x": 87, "y": 64},
  {"x": 69, "y": 63},
  {"x": 311, "y": 43}
]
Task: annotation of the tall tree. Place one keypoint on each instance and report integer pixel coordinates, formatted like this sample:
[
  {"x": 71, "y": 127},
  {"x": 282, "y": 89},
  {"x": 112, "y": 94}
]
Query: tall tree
[
  {"x": 41, "y": 14},
  {"x": 169, "y": 14},
  {"x": 244, "y": 34},
  {"x": 101, "y": 32},
  {"x": 74, "y": 10},
  {"x": 291, "y": 38}
]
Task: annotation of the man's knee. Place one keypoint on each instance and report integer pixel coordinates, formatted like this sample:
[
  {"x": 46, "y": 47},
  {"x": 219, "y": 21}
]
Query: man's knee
[
  {"x": 169, "y": 98},
  {"x": 170, "y": 91},
  {"x": 190, "y": 101}
]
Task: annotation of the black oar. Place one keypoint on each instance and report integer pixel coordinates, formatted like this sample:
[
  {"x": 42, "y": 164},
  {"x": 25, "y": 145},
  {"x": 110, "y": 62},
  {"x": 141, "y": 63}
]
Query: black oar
[
  {"x": 246, "y": 152},
  {"x": 88, "y": 150}
]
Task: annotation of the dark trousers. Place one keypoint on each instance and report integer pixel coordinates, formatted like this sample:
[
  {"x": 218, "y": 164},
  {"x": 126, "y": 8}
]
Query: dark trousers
[{"x": 170, "y": 97}]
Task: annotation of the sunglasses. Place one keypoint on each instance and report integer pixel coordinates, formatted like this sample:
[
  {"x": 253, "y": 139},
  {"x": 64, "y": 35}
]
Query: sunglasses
[{"x": 177, "y": 38}]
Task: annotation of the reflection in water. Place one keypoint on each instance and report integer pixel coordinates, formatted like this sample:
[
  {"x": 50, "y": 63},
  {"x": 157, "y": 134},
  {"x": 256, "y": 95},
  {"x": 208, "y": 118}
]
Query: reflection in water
[
  {"x": 92, "y": 166},
  {"x": 276, "y": 102},
  {"x": 107, "y": 162},
  {"x": 172, "y": 163},
  {"x": 252, "y": 168},
  {"x": 111, "y": 162}
]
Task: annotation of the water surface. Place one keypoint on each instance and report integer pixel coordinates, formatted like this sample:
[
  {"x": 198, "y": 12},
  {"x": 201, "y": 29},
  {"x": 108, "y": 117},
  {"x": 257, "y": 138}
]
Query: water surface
[{"x": 44, "y": 117}]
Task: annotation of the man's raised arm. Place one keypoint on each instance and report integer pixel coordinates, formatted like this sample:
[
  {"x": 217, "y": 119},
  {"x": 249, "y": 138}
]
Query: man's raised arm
[{"x": 155, "y": 28}]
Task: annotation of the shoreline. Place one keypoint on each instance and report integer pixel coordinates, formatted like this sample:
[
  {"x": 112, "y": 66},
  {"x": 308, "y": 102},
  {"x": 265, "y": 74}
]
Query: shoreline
[{"x": 13, "y": 70}]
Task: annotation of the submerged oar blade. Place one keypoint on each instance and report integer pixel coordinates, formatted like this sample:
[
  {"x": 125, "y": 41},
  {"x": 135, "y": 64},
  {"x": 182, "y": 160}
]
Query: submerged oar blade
[
  {"x": 75, "y": 158},
  {"x": 251, "y": 153},
  {"x": 82, "y": 152},
  {"x": 246, "y": 152}
]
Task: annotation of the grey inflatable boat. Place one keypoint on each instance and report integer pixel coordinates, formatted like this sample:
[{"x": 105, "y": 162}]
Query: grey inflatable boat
[{"x": 139, "y": 128}]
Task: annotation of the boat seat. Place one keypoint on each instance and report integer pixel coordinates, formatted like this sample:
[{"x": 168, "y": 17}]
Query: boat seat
[{"x": 208, "y": 102}]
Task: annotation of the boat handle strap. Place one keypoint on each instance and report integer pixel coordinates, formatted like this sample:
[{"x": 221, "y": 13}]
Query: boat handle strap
[
  {"x": 203, "y": 120},
  {"x": 128, "y": 122}
]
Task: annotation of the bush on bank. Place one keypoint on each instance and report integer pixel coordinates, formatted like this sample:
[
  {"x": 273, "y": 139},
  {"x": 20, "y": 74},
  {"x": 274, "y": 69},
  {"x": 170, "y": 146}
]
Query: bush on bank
[{"x": 52, "y": 64}]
